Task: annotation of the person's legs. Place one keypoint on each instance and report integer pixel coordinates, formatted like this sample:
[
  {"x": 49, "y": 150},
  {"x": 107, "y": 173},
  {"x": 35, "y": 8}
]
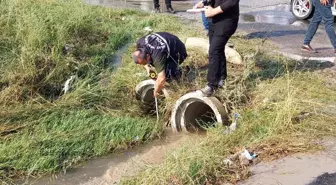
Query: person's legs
[
  {"x": 328, "y": 19},
  {"x": 156, "y": 5},
  {"x": 169, "y": 6},
  {"x": 217, "y": 60},
  {"x": 313, "y": 26},
  {"x": 211, "y": 32},
  {"x": 173, "y": 71},
  {"x": 219, "y": 34},
  {"x": 168, "y": 3}
]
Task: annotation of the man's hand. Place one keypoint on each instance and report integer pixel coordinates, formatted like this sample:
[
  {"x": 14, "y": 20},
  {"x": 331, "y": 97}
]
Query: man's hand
[
  {"x": 210, "y": 12},
  {"x": 156, "y": 94},
  {"x": 148, "y": 69},
  {"x": 324, "y": 2}
]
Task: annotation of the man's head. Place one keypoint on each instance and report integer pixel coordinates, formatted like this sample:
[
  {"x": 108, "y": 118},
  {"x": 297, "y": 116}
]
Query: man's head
[{"x": 141, "y": 57}]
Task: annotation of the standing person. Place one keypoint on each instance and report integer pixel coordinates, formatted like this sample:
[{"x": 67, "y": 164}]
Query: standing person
[
  {"x": 224, "y": 16},
  {"x": 168, "y": 6},
  {"x": 322, "y": 12},
  {"x": 165, "y": 52}
]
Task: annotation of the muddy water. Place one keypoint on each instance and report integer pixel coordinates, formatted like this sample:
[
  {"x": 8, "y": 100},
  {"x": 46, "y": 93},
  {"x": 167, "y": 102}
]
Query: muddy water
[{"x": 110, "y": 169}]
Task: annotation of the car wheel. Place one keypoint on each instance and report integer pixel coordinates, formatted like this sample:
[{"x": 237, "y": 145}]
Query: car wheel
[{"x": 302, "y": 9}]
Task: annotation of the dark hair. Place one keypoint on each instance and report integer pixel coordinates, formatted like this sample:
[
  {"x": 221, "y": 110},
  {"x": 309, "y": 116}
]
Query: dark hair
[{"x": 142, "y": 54}]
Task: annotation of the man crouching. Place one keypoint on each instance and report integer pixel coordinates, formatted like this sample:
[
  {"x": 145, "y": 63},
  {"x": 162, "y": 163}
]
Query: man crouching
[{"x": 165, "y": 52}]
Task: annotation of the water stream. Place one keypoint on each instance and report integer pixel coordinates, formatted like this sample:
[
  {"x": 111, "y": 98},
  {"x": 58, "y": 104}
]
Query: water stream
[{"x": 111, "y": 168}]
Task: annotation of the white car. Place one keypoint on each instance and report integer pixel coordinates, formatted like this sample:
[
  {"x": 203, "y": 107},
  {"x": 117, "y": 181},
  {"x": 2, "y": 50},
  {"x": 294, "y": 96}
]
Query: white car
[{"x": 304, "y": 9}]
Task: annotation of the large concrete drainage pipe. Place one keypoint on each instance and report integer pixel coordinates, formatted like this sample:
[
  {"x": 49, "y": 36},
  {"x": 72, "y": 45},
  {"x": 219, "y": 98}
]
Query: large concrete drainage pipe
[
  {"x": 144, "y": 91},
  {"x": 193, "y": 113}
]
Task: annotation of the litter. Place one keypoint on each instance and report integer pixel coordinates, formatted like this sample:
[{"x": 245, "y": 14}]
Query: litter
[
  {"x": 233, "y": 125},
  {"x": 67, "y": 84},
  {"x": 227, "y": 162},
  {"x": 198, "y": 10},
  {"x": 148, "y": 29},
  {"x": 249, "y": 156}
]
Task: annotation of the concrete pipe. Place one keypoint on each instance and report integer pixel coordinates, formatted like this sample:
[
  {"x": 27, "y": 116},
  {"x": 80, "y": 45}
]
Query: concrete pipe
[
  {"x": 144, "y": 91},
  {"x": 193, "y": 112}
]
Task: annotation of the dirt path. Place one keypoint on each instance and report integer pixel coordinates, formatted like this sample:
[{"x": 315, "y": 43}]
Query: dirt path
[{"x": 300, "y": 169}]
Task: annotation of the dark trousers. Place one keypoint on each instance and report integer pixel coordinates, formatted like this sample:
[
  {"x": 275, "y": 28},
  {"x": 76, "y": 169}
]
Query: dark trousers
[
  {"x": 157, "y": 5},
  {"x": 219, "y": 34},
  {"x": 321, "y": 13},
  {"x": 173, "y": 70}
]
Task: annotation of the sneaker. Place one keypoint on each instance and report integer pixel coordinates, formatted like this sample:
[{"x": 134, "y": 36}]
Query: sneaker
[
  {"x": 308, "y": 48},
  {"x": 206, "y": 91},
  {"x": 170, "y": 10}
]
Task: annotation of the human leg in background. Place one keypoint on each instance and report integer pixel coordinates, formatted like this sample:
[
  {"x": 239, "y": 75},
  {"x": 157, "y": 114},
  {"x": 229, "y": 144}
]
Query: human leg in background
[
  {"x": 156, "y": 6},
  {"x": 169, "y": 7}
]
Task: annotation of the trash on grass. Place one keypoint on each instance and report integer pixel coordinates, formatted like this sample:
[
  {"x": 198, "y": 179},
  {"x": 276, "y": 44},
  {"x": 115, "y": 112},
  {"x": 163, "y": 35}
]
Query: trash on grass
[
  {"x": 67, "y": 84},
  {"x": 227, "y": 162},
  {"x": 249, "y": 156},
  {"x": 148, "y": 29},
  {"x": 233, "y": 125}
]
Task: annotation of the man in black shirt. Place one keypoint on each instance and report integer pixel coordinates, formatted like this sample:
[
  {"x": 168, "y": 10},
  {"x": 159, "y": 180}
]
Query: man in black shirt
[
  {"x": 165, "y": 52},
  {"x": 224, "y": 15}
]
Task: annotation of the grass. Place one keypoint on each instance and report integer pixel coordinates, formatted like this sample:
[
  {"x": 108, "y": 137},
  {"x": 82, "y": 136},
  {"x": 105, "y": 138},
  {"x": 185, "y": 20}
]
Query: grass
[
  {"x": 42, "y": 44},
  {"x": 270, "y": 94}
]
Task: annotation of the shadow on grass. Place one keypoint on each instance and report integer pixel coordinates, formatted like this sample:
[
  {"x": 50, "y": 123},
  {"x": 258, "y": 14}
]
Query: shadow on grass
[
  {"x": 269, "y": 34},
  {"x": 270, "y": 69}
]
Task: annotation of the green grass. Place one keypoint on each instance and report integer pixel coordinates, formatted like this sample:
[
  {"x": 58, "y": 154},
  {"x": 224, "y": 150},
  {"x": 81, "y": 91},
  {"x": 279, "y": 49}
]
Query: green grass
[
  {"x": 50, "y": 144},
  {"x": 41, "y": 129}
]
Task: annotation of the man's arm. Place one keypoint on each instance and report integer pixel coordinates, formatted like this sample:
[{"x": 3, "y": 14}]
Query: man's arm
[
  {"x": 228, "y": 5},
  {"x": 159, "y": 83},
  {"x": 210, "y": 12},
  {"x": 159, "y": 62}
]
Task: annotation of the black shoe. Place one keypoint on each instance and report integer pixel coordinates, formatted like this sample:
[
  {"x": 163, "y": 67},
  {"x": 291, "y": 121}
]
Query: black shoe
[
  {"x": 170, "y": 10},
  {"x": 206, "y": 91},
  {"x": 157, "y": 10}
]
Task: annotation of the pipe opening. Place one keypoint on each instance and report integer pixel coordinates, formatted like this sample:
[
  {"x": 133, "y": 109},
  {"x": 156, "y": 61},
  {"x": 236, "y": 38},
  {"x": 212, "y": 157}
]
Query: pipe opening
[
  {"x": 198, "y": 116},
  {"x": 148, "y": 101},
  {"x": 144, "y": 93}
]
